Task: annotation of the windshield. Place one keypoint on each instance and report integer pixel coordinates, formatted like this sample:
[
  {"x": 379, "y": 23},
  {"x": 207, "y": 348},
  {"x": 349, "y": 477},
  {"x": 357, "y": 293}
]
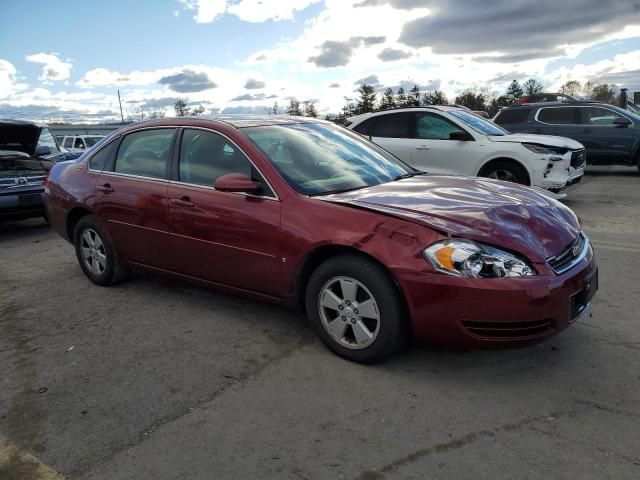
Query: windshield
[
  {"x": 47, "y": 140},
  {"x": 628, "y": 113},
  {"x": 318, "y": 159},
  {"x": 91, "y": 141},
  {"x": 479, "y": 124}
]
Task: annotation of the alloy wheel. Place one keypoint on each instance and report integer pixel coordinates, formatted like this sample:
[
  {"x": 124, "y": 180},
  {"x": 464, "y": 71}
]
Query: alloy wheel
[
  {"x": 504, "y": 175},
  {"x": 349, "y": 312},
  {"x": 93, "y": 251}
]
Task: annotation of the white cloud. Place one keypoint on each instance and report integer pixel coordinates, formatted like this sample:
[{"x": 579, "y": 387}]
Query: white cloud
[
  {"x": 255, "y": 11},
  {"x": 53, "y": 68},
  {"x": 8, "y": 81}
]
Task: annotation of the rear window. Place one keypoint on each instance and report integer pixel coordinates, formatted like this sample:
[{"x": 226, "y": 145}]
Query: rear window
[
  {"x": 557, "y": 115},
  {"x": 99, "y": 160},
  {"x": 512, "y": 115},
  {"x": 395, "y": 125}
]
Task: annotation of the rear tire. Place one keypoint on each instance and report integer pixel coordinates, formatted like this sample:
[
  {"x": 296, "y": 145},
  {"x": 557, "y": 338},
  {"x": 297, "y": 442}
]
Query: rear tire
[
  {"x": 505, "y": 170},
  {"x": 95, "y": 253},
  {"x": 356, "y": 309}
]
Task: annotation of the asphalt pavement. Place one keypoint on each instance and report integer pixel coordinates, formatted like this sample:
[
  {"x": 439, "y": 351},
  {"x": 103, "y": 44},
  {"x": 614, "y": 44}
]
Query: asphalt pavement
[{"x": 159, "y": 379}]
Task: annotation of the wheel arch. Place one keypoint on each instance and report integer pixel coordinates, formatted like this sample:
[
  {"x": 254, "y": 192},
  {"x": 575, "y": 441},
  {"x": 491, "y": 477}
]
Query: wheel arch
[
  {"x": 491, "y": 161},
  {"x": 73, "y": 217},
  {"x": 322, "y": 253}
]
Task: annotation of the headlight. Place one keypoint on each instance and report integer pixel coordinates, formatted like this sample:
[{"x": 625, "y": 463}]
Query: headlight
[
  {"x": 543, "y": 150},
  {"x": 464, "y": 258}
]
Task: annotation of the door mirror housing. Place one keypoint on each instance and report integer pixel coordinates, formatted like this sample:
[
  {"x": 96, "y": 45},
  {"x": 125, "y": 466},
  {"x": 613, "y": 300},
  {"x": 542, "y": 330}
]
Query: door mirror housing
[
  {"x": 621, "y": 122},
  {"x": 43, "y": 151},
  {"x": 236, "y": 182},
  {"x": 459, "y": 135}
]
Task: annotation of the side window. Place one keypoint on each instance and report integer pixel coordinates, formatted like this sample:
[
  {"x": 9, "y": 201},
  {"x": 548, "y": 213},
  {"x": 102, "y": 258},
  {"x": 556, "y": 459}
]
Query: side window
[
  {"x": 394, "y": 125},
  {"x": 99, "y": 160},
  {"x": 78, "y": 143},
  {"x": 434, "y": 127},
  {"x": 68, "y": 142},
  {"x": 512, "y": 115},
  {"x": 365, "y": 127},
  {"x": 557, "y": 115},
  {"x": 598, "y": 116},
  {"x": 205, "y": 156},
  {"x": 145, "y": 153}
]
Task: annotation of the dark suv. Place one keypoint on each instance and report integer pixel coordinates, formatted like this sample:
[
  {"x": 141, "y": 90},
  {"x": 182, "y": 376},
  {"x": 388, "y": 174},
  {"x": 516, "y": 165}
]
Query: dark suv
[{"x": 610, "y": 134}]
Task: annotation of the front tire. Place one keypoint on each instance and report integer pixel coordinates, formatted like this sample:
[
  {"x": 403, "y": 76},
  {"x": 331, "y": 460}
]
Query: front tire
[
  {"x": 506, "y": 171},
  {"x": 95, "y": 253},
  {"x": 356, "y": 309}
]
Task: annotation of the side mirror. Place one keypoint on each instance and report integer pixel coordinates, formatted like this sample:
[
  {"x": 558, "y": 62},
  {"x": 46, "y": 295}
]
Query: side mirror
[
  {"x": 459, "y": 135},
  {"x": 236, "y": 182},
  {"x": 621, "y": 122},
  {"x": 43, "y": 151}
]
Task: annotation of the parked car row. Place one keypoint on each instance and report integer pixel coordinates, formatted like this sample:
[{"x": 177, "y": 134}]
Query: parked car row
[
  {"x": 455, "y": 141},
  {"x": 305, "y": 213}
]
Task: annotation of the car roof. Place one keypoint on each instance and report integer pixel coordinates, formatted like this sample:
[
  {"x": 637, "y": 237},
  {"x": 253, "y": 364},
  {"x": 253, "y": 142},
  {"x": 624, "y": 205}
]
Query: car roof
[
  {"x": 441, "y": 108},
  {"x": 577, "y": 103}
]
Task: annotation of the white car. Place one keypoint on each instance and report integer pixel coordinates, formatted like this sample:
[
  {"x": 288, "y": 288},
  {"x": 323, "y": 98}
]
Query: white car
[
  {"x": 79, "y": 143},
  {"x": 454, "y": 141}
]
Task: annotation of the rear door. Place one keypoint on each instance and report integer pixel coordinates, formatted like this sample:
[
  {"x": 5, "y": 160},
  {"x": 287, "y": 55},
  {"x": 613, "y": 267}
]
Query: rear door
[
  {"x": 435, "y": 152},
  {"x": 132, "y": 197},
  {"x": 222, "y": 237},
  {"x": 605, "y": 142},
  {"x": 394, "y": 132},
  {"x": 560, "y": 121}
]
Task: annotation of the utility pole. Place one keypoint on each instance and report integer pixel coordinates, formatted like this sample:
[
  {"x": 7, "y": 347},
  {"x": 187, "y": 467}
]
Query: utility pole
[{"x": 120, "y": 102}]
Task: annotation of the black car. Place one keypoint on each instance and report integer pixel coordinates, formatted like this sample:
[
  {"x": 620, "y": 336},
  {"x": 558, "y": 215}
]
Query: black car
[
  {"x": 610, "y": 134},
  {"x": 27, "y": 153}
]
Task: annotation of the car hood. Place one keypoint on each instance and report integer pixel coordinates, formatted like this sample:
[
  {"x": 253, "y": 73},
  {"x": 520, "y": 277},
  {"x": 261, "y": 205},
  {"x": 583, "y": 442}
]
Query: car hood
[
  {"x": 499, "y": 213},
  {"x": 549, "y": 140}
]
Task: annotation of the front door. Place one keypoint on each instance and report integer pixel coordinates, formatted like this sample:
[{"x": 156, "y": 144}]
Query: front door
[
  {"x": 227, "y": 238},
  {"x": 605, "y": 142},
  {"x": 132, "y": 198},
  {"x": 560, "y": 121}
]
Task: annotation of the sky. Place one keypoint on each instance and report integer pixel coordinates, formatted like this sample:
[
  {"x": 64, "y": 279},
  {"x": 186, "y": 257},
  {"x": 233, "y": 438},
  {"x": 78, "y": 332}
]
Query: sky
[{"x": 66, "y": 60}]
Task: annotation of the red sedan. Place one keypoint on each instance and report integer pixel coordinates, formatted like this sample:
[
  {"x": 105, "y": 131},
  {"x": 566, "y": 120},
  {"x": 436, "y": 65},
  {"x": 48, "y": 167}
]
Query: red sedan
[{"x": 305, "y": 213}]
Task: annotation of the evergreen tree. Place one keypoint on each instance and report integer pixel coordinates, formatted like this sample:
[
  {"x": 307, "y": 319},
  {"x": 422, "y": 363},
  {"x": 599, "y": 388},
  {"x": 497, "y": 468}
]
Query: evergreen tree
[
  {"x": 294, "y": 108},
  {"x": 472, "y": 99},
  {"x": 532, "y": 86},
  {"x": 438, "y": 97},
  {"x": 181, "y": 108},
  {"x": 413, "y": 99},
  {"x": 514, "y": 92},
  {"x": 309, "y": 109},
  {"x": 401, "y": 98},
  {"x": 367, "y": 100},
  {"x": 388, "y": 100}
]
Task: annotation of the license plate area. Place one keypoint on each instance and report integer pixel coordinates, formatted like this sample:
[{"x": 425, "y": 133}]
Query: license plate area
[
  {"x": 29, "y": 199},
  {"x": 579, "y": 302}
]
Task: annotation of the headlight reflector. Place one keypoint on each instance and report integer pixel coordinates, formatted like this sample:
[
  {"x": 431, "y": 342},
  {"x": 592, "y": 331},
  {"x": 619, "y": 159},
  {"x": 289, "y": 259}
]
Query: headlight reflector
[{"x": 465, "y": 258}]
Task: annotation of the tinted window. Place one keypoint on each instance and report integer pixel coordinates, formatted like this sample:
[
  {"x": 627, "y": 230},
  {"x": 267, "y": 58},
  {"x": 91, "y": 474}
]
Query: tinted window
[
  {"x": 364, "y": 127},
  {"x": 557, "y": 116},
  {"x": 205, "y": 156},
  {"x": 396, "y": 125},
  {"x": 434, "y": 127},
  {"x": 145, "y": 153},
  {"x": 68, "y": 142},
  {"x": 512, "y": 115},
  {"x": 317, "y": 159},
  {"x": 598, "y": 116},
  {"x": 99, "y": 160},
  {"x": 78, "y": 143}
]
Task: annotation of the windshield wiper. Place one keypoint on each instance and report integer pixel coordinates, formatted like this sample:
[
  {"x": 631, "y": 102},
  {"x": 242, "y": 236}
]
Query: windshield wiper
[{"x": 408, "y": 175}]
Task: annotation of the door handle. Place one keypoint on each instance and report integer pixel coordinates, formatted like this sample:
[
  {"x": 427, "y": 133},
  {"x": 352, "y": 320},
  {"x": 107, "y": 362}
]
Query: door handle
[
  {"x": 106, "y": 188},
  {"x": 183, "y": 202},
  {"x": 423, "y": 147}
]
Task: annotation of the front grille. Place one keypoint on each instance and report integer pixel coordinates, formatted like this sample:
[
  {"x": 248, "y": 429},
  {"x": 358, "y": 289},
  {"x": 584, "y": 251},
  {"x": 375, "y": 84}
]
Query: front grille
[
  {"x": 21, "y": 181},
  {"x": 570, "y": 256},
  {"x": 509, "y": 330},
  {"x": 578, "y": 158}
]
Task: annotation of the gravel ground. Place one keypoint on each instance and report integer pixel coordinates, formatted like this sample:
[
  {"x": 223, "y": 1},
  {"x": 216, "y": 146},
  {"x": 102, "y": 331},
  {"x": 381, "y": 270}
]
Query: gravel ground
[{"x": 158, "y": 379}]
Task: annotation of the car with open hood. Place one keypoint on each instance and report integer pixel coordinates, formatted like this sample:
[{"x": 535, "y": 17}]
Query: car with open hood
[
  {"x": 453, "y": 140},
  {"x": 305, "y": 213},
  {"x": 27, "y": 153}
]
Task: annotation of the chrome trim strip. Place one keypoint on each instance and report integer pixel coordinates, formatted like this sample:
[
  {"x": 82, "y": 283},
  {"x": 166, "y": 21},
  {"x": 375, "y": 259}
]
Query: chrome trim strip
[
  {"x": 575, "y": 261},
  {"x": 205, "y": 187}
]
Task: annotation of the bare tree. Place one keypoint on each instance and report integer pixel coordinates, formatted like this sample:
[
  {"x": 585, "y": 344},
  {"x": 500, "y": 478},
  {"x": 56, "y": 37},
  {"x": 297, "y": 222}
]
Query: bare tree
[
  {"x": 572, "y": 88},
  {"x": 309, "y": 109},
  {"x": 294, "y": 108}
]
